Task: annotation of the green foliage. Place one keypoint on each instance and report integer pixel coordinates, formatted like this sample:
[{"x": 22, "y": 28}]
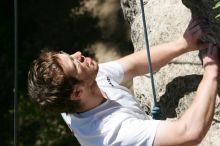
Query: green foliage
[
  {"x": 37, "y": 128},
  {"x": 217, "y": 5},
  {"x": 216, "y": 8},
  {"x": 217, "y": 16}
]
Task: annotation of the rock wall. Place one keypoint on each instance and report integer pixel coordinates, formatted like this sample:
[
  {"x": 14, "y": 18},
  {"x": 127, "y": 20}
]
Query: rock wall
[
  {"x": 177, "y": 82},
  {"x": 209, "y": 9}
]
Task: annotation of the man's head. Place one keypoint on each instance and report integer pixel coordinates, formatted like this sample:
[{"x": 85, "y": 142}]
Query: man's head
[{"x": 54, "y": 77}]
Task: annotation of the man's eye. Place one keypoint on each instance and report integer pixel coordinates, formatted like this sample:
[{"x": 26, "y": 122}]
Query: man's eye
[
  {"x": 71, "y": 58},
  {"x": 77, "y": 61}
]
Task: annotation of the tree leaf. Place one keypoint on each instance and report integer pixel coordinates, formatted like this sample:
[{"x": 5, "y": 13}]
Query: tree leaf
[{"x": 216, "y": 5}]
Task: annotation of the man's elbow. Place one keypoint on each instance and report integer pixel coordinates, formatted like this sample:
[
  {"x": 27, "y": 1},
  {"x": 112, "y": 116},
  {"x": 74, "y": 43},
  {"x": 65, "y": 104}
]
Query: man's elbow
[
  {"x": 191, "y": 134},
  {"x": 196, "y": 135}
]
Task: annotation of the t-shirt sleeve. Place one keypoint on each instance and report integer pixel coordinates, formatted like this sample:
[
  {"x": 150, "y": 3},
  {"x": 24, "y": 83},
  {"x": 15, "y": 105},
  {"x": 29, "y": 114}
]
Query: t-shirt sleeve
[
  {"x": 134, "y": 132},
  {"x": 113, "y": 70}
]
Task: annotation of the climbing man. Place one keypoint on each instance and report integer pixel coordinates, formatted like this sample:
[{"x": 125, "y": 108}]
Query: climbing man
[{"x": 100, "y": 111}]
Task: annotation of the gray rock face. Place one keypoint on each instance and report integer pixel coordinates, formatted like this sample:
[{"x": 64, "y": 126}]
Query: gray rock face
[{"x": 176, "y": 82}]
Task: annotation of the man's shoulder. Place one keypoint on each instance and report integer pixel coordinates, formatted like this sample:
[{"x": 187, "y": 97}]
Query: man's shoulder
[{"x": 113, "y": 70}]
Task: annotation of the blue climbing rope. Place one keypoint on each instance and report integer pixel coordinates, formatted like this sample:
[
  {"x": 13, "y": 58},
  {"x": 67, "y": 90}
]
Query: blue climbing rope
[{"x": 156, "y": 109}]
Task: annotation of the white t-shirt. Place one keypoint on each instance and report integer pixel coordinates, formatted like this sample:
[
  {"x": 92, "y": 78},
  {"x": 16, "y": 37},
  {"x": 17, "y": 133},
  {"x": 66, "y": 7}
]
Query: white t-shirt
[{"x": 117, "y": 122}]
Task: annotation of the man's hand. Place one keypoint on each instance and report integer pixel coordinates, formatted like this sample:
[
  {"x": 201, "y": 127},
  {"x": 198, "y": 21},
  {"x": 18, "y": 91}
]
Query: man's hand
[
  {"x": 211, "y": 62},
  {"x": 197, "y": 28}
]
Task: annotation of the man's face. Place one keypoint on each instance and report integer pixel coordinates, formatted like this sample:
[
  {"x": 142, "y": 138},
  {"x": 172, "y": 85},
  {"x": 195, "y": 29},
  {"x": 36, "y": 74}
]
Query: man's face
[{"x": 80, "y": 67}]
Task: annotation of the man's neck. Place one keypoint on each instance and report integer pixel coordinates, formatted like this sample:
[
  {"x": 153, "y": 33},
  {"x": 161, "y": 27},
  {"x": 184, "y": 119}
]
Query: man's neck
[{"x": 94, "y": 97}]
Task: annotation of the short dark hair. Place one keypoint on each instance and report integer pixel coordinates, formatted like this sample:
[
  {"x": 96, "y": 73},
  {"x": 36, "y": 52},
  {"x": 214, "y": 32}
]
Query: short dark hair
[{"x": 49, "y": 87}]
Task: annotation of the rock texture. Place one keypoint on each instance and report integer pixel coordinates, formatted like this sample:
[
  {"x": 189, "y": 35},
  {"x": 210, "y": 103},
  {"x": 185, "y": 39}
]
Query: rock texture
[
  {"x": 177, "y": 82},
  {"x": 209, "y": 9}
]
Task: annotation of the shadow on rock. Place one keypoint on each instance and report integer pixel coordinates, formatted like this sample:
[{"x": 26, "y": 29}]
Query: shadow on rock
[{"x": 175, "y": 90}]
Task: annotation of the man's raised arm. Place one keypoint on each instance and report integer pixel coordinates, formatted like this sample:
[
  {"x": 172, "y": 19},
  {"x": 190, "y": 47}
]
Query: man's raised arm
[{"x": 136, "y": 63}]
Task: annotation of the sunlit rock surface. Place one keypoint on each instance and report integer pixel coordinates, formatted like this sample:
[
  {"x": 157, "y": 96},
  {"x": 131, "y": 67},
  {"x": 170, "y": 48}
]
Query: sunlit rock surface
[{"x": 177, "y": 82}]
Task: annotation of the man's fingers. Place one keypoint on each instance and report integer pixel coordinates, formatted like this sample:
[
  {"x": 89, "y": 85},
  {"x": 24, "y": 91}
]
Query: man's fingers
[
  {"x": 195, "y": 23},
  {"x": 201, "y": 30},
  {"x": 215, "y": 51},
  {"x": 194, "y": 17},
  {"x": 210, "y": 49}
]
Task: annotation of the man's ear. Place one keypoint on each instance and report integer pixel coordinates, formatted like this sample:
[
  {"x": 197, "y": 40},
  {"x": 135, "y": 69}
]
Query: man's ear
[{"x": 76, "y": 93}]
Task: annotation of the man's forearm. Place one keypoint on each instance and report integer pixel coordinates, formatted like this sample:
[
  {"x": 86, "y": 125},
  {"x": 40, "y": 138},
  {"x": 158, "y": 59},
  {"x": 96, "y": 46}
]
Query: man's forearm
[
  {"x": 163, "y": 54},
  {"x": 136, "y": 63},
  {"x": 160, "y": 56},
  {"x": 194, "y": 124},
  {"x": 199, "y": 116}
]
